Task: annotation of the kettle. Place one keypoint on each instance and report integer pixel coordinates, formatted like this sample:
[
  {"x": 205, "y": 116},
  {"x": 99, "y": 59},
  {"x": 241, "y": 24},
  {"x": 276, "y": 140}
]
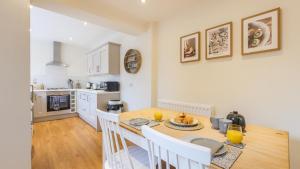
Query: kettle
[
  {"x": 237, "y": 119},
  {"x": 70, "y": 84},
  {"x": 95, "y": 86}
]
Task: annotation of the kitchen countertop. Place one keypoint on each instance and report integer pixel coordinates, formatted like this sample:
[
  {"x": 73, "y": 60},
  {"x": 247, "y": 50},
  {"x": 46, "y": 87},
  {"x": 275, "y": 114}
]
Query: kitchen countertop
[
  {"x": 81, "y": 90},
  {"x": 54, "y": 90},
  {"x": 95, "y": 91}
]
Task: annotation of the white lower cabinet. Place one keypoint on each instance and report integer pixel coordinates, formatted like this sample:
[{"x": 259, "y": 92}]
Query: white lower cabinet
[
  {"x": 89, "y": 102},
  {"x": 86, "y": 107}
]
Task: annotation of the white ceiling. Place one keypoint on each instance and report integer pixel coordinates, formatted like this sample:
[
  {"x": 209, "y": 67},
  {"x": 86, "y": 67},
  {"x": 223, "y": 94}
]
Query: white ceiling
[
  {"x": 152, "y": 10},
  {"x": 128, "y": 16},
  {"x": 47, "y": 25},
  {"x": 117, "y": 16}
]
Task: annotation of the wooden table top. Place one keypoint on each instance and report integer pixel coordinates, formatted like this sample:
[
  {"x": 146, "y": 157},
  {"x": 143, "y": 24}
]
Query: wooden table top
[{"x": 265, "y": 148}]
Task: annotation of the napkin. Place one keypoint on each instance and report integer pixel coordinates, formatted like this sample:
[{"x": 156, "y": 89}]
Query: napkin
[{"x": 214, "y": 145}]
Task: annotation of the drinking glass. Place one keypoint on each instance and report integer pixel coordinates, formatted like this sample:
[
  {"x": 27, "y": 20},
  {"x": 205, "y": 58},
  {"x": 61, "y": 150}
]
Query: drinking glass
[
  {"x": 158, "y": 116},
  {"x": 235, "y": 133}
]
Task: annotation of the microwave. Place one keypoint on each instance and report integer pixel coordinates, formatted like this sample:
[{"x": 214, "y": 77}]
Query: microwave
[{"x": 111, "y": 86}]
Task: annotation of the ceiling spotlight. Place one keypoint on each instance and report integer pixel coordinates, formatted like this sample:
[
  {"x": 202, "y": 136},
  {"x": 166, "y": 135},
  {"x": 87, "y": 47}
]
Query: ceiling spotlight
[
  {"x": 30, "y": 6},
  {"x": 85, "y": 23},
  {"x": 143, "y": 1},
  {"x": 30, "y": 30},
  {"x": 70, "y": 38}
]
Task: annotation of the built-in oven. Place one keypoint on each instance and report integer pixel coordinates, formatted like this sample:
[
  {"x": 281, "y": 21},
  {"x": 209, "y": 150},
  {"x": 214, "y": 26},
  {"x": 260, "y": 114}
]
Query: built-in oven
[{"x": 58, "y": 101}]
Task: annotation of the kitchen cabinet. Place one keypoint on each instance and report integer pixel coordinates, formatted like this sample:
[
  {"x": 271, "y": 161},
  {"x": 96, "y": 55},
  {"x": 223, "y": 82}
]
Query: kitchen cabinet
[
  {"x": 41, "y": 111},
  {"x": 40, "y": 104},
  {"x": 96, "y": 62},
  {"x": 90, "y": 62},
  {"x": 104, "y": 60},
  {"x": 86, "y": 107},
  {"x": 88, "y": 102}
]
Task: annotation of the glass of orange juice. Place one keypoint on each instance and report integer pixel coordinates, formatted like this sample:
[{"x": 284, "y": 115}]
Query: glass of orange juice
[
  {"x": 234, "y": 134},
  {"x": 158, "y": 116}
]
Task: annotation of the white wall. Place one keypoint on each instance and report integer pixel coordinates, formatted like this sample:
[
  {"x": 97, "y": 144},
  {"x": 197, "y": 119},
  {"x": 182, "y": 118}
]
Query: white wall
[
  {"x": 135, "y": 88},
  {"x": 53, "y": 76},
  {"x": 15, "y": 129},
  {"x": 263, "y": 87}
]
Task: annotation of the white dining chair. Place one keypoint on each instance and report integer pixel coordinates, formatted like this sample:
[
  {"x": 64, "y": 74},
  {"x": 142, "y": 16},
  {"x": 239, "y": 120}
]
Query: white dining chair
[
  {"x": 175, "y": 152},
  {"x": 131, "y": 157}
]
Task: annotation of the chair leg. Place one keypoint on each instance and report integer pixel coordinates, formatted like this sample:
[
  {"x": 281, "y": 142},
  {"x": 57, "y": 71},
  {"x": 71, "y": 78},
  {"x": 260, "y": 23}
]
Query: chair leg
[{"x": 103, "y": 154}]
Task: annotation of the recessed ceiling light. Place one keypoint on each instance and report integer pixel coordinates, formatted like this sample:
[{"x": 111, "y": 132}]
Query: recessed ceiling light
[
  {"x": 85, "y": 23},
  {"x": 70, "y": 38},
  {"x": 143, "y": 1},
  {"x": 30, "y": 30},
  {"x": 30, "y": 6}
]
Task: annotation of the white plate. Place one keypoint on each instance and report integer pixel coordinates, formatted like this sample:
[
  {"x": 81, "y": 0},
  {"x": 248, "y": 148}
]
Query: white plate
[
  {"x": 195, "y": 123},
  {"x": 139, "y": 121},
  {"x": 217, "y": 148}
]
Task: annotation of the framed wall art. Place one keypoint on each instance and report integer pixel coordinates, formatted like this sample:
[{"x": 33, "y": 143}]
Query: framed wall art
[
  {"x": 190, "y": 48},
  {"x": 261, "y": 32},
  {"x": 219, "y": 41},
  {"x": 132, "y": 61}
]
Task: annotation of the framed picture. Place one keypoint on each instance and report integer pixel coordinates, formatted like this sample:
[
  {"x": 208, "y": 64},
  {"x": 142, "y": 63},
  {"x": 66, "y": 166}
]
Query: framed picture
[
  {"x": 219, "y": 41},
  {"x": 261, "y": 32},
  {"x": 190, "y": 48}
]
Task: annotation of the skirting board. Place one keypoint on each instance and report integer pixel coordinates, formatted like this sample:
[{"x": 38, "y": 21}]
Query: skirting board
[{"x": 57, "y": 117}]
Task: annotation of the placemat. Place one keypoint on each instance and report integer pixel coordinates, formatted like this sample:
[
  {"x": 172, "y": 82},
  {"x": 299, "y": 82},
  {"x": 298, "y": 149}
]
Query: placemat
[
  {"x": 151, "y": 124},
  {"x": 241, "y": 146},
  {"x": 225, "y": 161},
  {"x": 172, "y": 126}
]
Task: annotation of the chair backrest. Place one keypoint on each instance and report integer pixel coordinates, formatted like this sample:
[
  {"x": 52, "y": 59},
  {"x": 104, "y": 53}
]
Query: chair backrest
[
  {"x": 199, "y": 109},
  {"x": 109, "y": 123},
  {"x": 181, "y": 154}
]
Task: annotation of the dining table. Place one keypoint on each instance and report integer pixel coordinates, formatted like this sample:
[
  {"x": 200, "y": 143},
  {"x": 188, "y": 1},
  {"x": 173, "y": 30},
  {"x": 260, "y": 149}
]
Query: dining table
[{"x": 265, "y": 148}]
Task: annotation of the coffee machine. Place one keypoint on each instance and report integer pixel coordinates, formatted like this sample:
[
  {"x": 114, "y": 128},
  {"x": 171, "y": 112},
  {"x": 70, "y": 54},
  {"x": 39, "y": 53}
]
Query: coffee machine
[{"x": 115, "y": 106}]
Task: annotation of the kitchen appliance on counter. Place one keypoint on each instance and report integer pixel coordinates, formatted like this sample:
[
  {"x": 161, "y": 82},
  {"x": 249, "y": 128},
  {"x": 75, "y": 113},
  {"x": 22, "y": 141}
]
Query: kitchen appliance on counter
[
  {"x": 115, "y": 106},
  {"x": 78, "y": 85},
  {"x": 89, "y": 85},
  {"x": 238, "y": 119},
  {"x": 96, "y": 86},
  {"x": 110, "y": 86},
  {"x": 70, "y": 84}
]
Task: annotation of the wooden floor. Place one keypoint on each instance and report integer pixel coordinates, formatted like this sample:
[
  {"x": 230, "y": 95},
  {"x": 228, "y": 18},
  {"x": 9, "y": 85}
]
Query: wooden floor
[{"x": 66, "y": 144}]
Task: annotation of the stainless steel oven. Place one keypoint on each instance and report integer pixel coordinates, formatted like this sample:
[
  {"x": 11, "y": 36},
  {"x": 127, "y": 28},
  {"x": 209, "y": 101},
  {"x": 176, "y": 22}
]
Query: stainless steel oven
[{"x": 57, "y": 101}]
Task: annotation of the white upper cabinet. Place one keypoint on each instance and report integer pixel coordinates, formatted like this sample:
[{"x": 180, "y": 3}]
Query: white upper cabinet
[
  {"x": 104, "y": 60},
  {"x": 96, "y": 65},
  {"x": 90, "y": 66}
]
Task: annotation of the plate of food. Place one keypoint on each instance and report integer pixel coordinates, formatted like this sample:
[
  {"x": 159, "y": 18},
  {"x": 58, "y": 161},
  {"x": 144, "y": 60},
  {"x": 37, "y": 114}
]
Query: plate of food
[{"x": 184, "y": 120}]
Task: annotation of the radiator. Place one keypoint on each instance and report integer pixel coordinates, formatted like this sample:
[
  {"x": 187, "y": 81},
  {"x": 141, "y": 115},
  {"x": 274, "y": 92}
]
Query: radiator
[{"x": 199, "y": 109}]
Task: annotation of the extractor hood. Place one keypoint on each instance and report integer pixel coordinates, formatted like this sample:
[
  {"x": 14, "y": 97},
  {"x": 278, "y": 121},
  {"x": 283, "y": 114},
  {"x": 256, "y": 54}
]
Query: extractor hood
[{"x": 56, "y": 60}]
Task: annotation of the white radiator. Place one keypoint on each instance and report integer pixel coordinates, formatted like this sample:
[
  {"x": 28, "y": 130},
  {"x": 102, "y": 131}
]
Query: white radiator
[{"x": 199, "y": 109}]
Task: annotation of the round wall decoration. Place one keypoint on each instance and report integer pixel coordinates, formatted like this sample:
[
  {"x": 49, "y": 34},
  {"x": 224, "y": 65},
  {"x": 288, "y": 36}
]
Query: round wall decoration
[{"x": 132, "y": 61}]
